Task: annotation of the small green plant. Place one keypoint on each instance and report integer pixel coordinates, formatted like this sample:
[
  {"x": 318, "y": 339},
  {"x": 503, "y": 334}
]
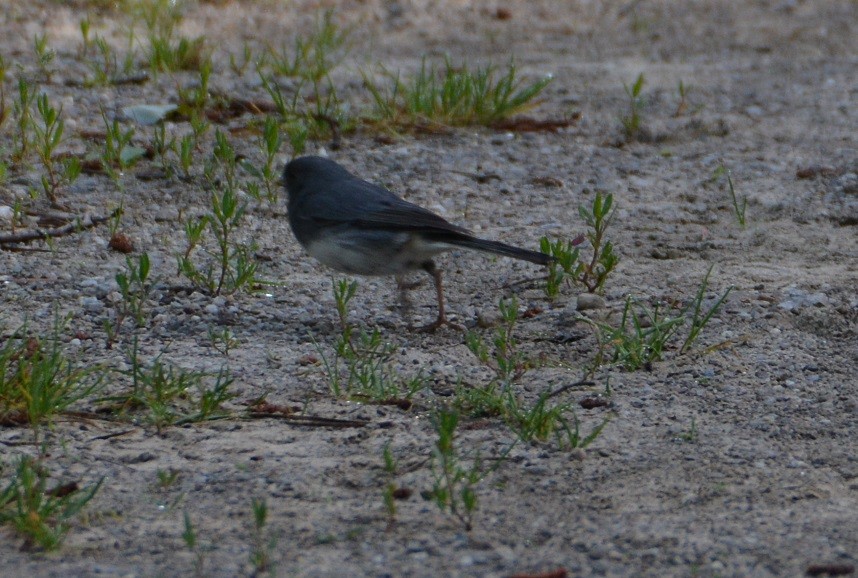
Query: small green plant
[
  {"x": 567, "y": 262},
  {"x": 269, "y": 143},
  {"x": 23, "y": 111},
  {"x": 633, "y": 121},
  {"x": 263, "y": 545},
  {"x": 641, "y": 336},
  {"x": 165, "y": 55},
  {"x": 164, "y": 393},
  {"x": 229, "y": 266},
  {"x": 538, "y": 422},
  {"x": 487, "y": 401},
  {"x": 453, "y": 96},
  {"x": 316, "y": 113},
  {"x": 327, "y": 115},
  {"x": 691, "y": 435},
  {"x": 47, "y": 136},
  {"x": 344, "y": 292},
  {"x": 194, "y": 100},
  {"x": 509, "y": 364},
  {"x": 598, "y": 218},
  {"x": 739, "y": 206},
  {"x": 222, "y": 341},
  {"x": 160, "y": 17},
  {"x": 189, "y": 536},
  {"x": 85, "y": 25},
  {"x": 543, "y": 420},
  {"x": 44, "y": 55},
  {"x": 699, "y": 317},
  {"x": 390, "y": 486},
  {"x": 118, "y": 151},
  {"x": 454, "y": 489},
  {"x": 312, "y": 57},
  {"x": 239, "y": 67},
  {"x": 186, "y": 153},
  {"x": 167, "y": 478},
  {"x": 644, "y": 333},
  {"x": 135, "y": 288},
  {"x": 37, "y": 380},
  {"x": 104, "y": 64},
  {"x": 682, "y": 105},
  {"x": 39, "y": 514},
  {"x": 4, "y": 111},
  {"x": 360, "y": 368},
  {"x": 162, "y": 146},
  {"x": 293, "y": 121}
]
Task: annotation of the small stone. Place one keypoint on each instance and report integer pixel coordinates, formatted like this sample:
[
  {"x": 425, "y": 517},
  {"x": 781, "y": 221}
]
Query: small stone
[
  {"x": 91, "y": 304},
  {"x": 589, "y": 301},
  {"x": 166, "y": 214},
  {"x": 577, "y": 454},
  {"x": 487, "y": 320},
  {"x": 140, "y": 458}
]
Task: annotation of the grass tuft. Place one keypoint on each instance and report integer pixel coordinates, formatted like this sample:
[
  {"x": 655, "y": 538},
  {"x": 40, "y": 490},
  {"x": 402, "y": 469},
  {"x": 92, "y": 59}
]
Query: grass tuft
[{"x": 453, "y": 96}]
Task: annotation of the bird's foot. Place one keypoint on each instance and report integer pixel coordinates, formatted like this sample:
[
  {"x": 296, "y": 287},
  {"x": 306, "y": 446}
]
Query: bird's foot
[{"x": 441, "y": 321}]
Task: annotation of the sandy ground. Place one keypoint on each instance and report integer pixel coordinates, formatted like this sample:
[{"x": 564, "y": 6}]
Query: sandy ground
[{"x": 737, "y": 459}]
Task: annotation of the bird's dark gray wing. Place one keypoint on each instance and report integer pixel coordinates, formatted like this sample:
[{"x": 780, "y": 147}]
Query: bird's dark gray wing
[{"x": 369, "y": 206}]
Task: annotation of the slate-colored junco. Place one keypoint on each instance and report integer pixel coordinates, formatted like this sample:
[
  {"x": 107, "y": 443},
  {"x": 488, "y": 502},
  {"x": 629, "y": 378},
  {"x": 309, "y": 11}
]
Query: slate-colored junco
[{"x": 357, "y": 227}]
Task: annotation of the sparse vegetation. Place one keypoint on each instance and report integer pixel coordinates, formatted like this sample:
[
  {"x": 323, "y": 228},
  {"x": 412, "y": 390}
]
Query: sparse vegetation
[
  {"x": 38, "y": 381},
  {"x": 313, "y": 56},
  {"x": 390, "y": 487},
  {"x": 202, "y": 184},
  {"x": 360, "y": 366},
  {"x": 135, "y": 288},
  {"x": 538, "y": 422},
  {"x": 270, "y": 142},
  {"x": 47, "y": 136},
  {"x": 632, "y": 121},
  {"x": 453, "y": 96},
  {"x": 163, "y": 394},
  {"x": 739, "y": 205},
  {"x": 567, "y": 264},
  {"x": 263, "y": 542},
  {"x": 118, "y": 153},
  {"x": 41, "y": 515},
  {"x": 193, "y": 544},
  {"x": 644, "y": 333},
  {"x": 454, "y": 490},
  {"x": 228, "y": 266}
]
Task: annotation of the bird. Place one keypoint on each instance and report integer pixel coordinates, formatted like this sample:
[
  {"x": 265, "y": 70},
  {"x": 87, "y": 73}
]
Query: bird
[{"x": 360, "y": 228}]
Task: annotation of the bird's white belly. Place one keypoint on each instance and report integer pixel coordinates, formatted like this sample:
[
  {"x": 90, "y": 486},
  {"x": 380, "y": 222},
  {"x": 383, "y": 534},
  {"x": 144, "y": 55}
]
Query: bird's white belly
[{"x": 374, "y": 253}]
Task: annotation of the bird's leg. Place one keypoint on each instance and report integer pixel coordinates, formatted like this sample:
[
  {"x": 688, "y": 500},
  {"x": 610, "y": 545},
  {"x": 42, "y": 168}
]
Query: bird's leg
[
  {"x": 429, "y": 267},
  {"x": 404, "y": 285},
  {"x": 402, "y": 288}
]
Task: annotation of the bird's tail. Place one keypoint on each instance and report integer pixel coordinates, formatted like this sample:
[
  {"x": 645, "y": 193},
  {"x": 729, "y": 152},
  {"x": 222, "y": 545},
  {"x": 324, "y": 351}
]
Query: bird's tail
[{"x": 499, "y": 248}]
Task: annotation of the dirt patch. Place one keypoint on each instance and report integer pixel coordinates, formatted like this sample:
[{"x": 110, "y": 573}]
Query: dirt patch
[{"x": 738, "y": 459}]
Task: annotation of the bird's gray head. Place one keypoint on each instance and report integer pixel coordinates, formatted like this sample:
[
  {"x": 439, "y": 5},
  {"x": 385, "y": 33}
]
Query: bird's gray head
[{"x": 311, "y": 171}]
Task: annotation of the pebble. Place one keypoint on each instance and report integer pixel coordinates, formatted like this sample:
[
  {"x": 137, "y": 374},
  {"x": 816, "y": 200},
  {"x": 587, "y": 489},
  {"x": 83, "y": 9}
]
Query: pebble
[
  {"x": 796, "y": 299},
  {"x": 486, "y": 320},
  {"x": 91, "y": 304},
  {"x": 587, "y": 301}
]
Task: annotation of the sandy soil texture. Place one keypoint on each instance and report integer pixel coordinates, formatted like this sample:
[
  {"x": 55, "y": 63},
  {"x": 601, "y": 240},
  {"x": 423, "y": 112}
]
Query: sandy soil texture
[{"x": 738, "y": 458}]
